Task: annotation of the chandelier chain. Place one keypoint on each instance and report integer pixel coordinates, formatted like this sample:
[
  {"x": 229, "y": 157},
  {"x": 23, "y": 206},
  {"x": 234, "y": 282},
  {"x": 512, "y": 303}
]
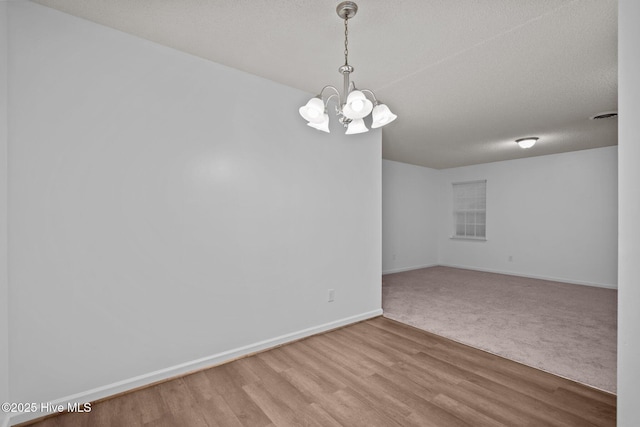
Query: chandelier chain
[{"x": 346, "y": 42}]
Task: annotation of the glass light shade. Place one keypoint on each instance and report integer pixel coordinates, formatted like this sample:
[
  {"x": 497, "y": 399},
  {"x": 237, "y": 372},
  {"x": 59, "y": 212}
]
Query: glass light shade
[
  {"x": 382, "y": 116},
  {"x": 357, "y": 106},
  {"x": 356, "y": 126},
  {"x": 526, "y": 142},
  {"x": 323, "y": 126},
  {"x": 313, "y": 111}
]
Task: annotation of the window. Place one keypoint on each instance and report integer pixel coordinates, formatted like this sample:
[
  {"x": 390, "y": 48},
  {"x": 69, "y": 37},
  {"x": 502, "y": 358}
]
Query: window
[{"x": 470, "y": 210}]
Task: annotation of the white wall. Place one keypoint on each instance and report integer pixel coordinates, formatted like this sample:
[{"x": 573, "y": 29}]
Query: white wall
[
  {"x": 167, "y": 212},
  {"x": 409, "y": 217},
  {"x": 555, "y": 215},
  {"x": 629, "y": 239},
  {"x": 4, "y": 284}
]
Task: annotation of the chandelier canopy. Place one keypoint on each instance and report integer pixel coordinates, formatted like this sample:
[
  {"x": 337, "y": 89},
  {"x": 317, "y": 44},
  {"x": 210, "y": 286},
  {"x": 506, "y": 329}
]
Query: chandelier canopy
[{"x": 353, "y": 105}]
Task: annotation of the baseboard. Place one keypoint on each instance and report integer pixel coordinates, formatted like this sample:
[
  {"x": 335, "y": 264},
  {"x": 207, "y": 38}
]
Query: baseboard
[
  {"x": 532, "y": 276},
  {"x": 187, "y": 367},
  {"x": 400, "y": 270}
]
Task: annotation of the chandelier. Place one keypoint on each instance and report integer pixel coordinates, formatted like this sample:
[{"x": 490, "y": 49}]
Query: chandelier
[{"x": 354, "y": 105}]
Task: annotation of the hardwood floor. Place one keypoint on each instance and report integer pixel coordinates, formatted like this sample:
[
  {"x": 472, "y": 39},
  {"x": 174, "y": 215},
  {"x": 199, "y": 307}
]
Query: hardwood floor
[{"x": 374, "y": 373}]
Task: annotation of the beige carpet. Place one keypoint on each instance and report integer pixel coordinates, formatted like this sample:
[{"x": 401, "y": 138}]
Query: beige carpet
[{"x": 569, "y": 330}]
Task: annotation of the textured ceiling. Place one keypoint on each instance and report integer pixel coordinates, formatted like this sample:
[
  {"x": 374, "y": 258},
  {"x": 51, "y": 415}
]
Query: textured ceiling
[{"x": 466, "y": 78}]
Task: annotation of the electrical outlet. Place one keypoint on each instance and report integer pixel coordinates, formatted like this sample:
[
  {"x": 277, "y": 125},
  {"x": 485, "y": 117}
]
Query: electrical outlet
[{"x": 332, "y": 295}]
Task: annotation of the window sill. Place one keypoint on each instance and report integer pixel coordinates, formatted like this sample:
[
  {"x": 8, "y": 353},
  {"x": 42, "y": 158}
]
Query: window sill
[{"x": 474, "y": 239}]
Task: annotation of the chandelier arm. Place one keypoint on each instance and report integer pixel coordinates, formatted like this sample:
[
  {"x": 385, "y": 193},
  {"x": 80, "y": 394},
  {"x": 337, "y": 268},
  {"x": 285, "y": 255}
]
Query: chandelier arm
[
  {"x": 329, "y": 98},
  {"x": 336, "y": 94},
  {"x": 375, "y": 100},
  {"x": 329, "y": 87}
]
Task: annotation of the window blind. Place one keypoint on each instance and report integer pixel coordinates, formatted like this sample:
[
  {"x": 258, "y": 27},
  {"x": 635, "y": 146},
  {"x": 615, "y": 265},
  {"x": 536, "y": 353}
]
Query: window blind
[{"x": 470, "y": 209}]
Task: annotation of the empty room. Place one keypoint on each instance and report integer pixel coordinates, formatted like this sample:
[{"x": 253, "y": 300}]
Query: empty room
[{"x": 319, "y": 213}]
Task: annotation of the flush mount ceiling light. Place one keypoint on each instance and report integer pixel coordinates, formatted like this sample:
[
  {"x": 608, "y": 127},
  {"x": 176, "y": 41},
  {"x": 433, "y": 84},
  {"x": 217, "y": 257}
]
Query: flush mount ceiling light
[
  {"x": 527, "y": 142},
  {"x": 353, "y": 105}
]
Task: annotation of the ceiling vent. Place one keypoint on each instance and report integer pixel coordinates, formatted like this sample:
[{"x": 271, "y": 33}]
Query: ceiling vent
[{"x": 605, "y": 115}]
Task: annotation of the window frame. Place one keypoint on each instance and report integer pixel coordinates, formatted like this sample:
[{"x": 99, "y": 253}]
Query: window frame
[{"x": 471, "y": 197}]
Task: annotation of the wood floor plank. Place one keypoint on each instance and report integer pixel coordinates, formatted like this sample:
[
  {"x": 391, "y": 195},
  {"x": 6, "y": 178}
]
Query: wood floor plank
[
  {"x": 218, "y": 413},
  {"x": 324, "y": 417},
  {"x": 215, "y": 409},
  {"x": 465, "y": 413},
  {"x": 101, "y": 415},
  {"x": 535, "y": 408},
  {"x": 179, "y": 403},
  {"x": 200, "y": 387},
  {"x": 277, "y": 383},
  {"x": 306, "y": 360},
  {"x": 360, "y": 343},
  {"x": 349, "y": 357},
  {"x": 52, "y": 421},
  {"x": 148, "y": 404},
  {"x": 359, "y": 382},
  {"x": 243, "y": 407},
  {"x": 353, "y": 411},
  {"x": 126, "y": 411},
  {"x": 496, "y": 369},
  {"x": 274, "y": 359},
  {"x": 308, "y": 384},
  {"x": 490, "y": 406},
  {"x": 374, "y": 373},
  {"x": 592, "y": 409},
  {"x": 591, "y": 393},
  {"x": 273, "y": 405},
  {"x": 420, "y": 408},
  {"x": 242, "y": 371}
]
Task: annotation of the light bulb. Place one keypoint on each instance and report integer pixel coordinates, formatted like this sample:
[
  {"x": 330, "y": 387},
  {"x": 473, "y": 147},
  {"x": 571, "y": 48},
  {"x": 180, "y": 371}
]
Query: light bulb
[{"x": 357, "y": 106}]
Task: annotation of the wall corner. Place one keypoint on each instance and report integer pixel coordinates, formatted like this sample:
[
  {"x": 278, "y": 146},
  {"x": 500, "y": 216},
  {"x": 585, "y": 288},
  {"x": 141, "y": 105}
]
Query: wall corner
[{"x": 4, "y": 275}]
